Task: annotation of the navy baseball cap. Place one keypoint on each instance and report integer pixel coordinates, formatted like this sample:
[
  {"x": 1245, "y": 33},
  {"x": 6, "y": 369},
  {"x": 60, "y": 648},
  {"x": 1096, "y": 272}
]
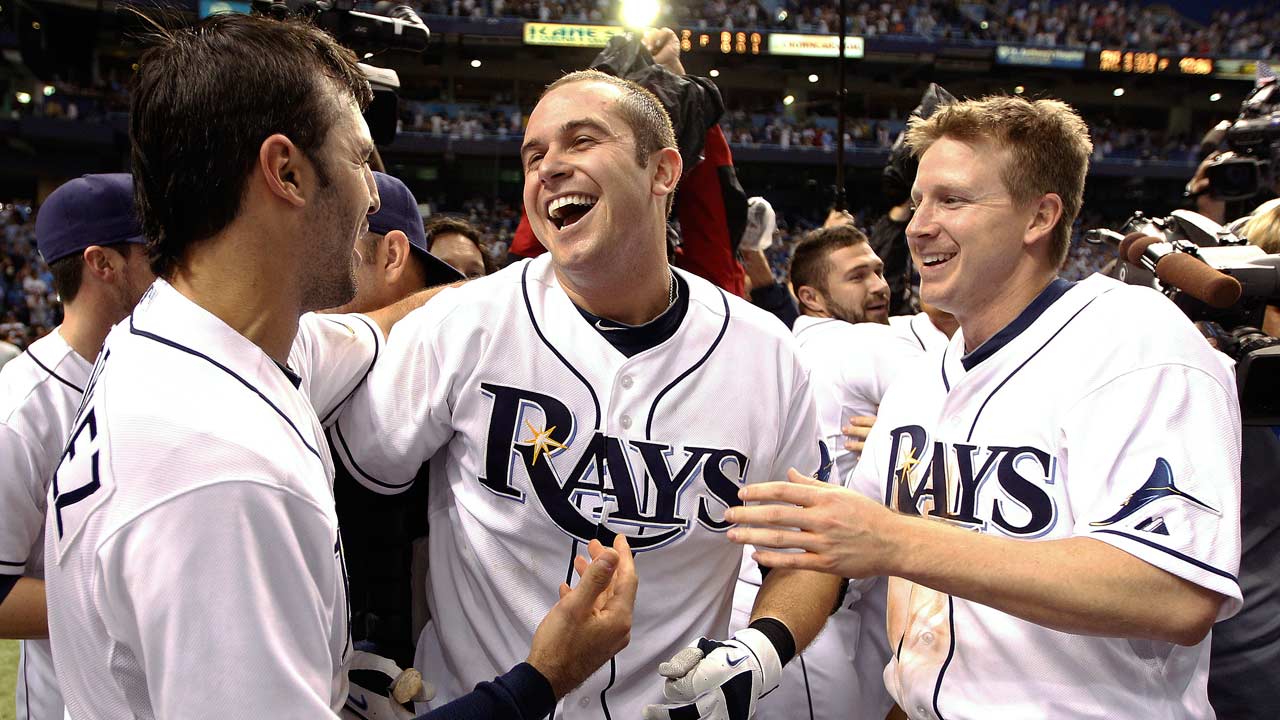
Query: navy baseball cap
[
  {"x": 90, "y": 210},
  {"x": 399, "y": 211}
]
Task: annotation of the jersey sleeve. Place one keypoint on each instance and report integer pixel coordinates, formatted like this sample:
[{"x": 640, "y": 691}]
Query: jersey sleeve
[
  {"x": 397, "y": 419},
  {"x": 22, "y": 500},
  {"x": 231, "y": 613},
  {"x": 1154, "y": 469},
  {"x": 334, "y": 353},
  {"x": 800, "y": 445}
]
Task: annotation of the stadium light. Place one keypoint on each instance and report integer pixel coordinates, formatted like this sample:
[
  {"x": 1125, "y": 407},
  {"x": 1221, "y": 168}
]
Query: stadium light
[
  {"x": 714, "y": 73},
  {"x": 813, "y": 78},
  {"x": 475, "y": 63},
  {"x": 23, "y": 98},
  {"x": 1019, "y": 90},
  {"x": 639, "y": 13},
  {"x": 49, "y": 90},
  {"x": 1215, "y": 97},
  {"x": 1118, "y": 92},
  {"x": 782, "y": 16},
  {"x": 788, "y": 99},
  {"x": 984, "y": 24}
]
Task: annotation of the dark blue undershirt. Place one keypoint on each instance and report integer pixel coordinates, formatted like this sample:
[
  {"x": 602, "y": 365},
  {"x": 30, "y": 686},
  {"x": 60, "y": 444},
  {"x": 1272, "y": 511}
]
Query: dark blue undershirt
[
  {"x": 1029, "y": 315},
  {"x": 6, "y": 585},
  {"x": 631, "y": 340}
]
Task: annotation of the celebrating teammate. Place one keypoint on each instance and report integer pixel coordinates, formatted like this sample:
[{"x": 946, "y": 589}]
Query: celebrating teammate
[
  {"x": 1088, "y": 417},
  {"x": 89, "y": 235},
  {"x": 192, "y": 552},
  {"x": 590, "y": 393}
]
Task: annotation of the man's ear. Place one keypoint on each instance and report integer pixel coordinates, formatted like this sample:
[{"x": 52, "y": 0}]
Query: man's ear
[
  {"x": 285, "y": 170},
  {"x": 1048, "y": 211},
  {"x": 811, "y": 299},
  {"x": 104, "y": 263},
  {"x": 667, "y": 168},
  {"x": 398, "y": 250}
]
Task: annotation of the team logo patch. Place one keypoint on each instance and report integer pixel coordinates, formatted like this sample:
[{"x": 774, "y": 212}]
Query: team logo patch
[
  {"x": 973, "y": 486},
  {"x": 592, "y": 484},
  {"x": 1158, "y": 485}
]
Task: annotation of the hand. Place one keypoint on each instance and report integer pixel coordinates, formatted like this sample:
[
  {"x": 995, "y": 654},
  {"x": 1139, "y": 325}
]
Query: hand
[
  {"x": 718, "y": 680},
  {"x": 664, "y": 46},
  {"x": 762, "y": 223},
  {"x": 1198, "y": 186},
  {"x": 856, "y": 432},
  {"x": 840, "y": 531},
  {"x": 592, "y": 621},
  {"x": 836, "y": 218},
  {"x": 379, "y": 689}
]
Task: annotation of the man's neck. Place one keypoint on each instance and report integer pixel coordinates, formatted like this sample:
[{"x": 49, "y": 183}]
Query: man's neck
[
  {"x": 85, "y": 326},
  {"x": 1001, "y": 310},
  {"x": 221, "y": 276},
  {"x": 634, "y": 297}
]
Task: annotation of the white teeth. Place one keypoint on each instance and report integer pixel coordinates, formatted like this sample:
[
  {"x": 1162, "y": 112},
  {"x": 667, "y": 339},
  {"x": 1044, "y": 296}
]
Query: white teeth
[
  {"x": 939, "y": 258},
  {"x": 553, "y": 210}
]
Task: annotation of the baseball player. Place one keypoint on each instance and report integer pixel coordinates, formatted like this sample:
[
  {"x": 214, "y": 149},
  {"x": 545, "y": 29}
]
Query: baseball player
[
  {"x": 194, "y": 565},
  {"x": 567, "y": 398},
  {"x": 88, "y": 234},
  {"x": 395, "y": 260},
  {"x": 457, "y": 242},
  {"x": 1066, "y": 476},
  {"x": 853, "y": 356}
]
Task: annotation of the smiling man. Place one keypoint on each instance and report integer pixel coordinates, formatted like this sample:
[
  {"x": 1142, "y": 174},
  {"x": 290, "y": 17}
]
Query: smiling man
[
  {"x": 591, "y": 392},
  {"x": 1065, "y": 475}
]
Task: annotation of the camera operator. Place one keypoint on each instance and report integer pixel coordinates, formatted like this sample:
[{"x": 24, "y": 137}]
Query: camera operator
[{"x": 1247, "y": 646}]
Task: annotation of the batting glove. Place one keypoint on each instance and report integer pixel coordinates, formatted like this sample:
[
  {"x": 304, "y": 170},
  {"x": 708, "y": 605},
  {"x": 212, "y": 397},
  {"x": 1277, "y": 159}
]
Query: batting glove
[
  {"x": 762, "y": 221},
  {"x": 718, "y": 680},
  {"x": 380, "y": 690}
]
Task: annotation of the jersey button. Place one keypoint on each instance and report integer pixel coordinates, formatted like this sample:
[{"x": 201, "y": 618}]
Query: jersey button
[
  {"x": 584, "y": 702},
  {"x": 922, "y": 712},
  {"x": 625, "y": 420},
  {"x": 926, "y": 637},
  {"x": 627, "y": 382}
]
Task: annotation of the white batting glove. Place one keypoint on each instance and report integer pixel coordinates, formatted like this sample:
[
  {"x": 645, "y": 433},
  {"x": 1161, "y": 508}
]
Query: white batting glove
[
  {"x": 380, "y": 689},
  {"x": 762, "y": 221},
  {"x": 718, "y": 680}
]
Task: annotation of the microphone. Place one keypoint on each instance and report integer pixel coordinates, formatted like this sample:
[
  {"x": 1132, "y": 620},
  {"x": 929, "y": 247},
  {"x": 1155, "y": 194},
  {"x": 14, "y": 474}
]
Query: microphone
[
  {"x": 1126, "y": 242},
  {"x": 1185, "y": 272}
]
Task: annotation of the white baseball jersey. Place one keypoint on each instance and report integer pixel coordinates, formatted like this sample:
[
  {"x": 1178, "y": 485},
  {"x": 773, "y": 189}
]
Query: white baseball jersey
[
  {"x": 549, "y": 437},
  {"x": 919, "y": 330},
  {"x": 193, "y": 564},
  {"x": 40, "y": 391},
  {"x": 838, "y": 676},
  {"x": 1099, "y": 412}
]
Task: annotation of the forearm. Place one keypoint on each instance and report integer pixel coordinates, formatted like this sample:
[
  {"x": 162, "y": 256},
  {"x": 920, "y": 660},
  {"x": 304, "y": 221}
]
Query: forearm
[
  {"x": 22, "y": 613},
  {"x": 521, "y": 694},
  {"x": 801, "y": 599},
  {"x": 390, "y": 315},
  {"x": 1076, "y": 585}
]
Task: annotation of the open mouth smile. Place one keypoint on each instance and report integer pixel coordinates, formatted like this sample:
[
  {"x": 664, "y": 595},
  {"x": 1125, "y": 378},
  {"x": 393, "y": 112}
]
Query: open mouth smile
[{"x": 569, "y": 209}]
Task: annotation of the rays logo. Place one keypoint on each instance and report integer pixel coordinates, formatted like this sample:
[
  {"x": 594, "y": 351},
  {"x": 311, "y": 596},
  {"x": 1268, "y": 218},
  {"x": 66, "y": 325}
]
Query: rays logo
[
  {"x": 640, "y": 484},
  {"x": 972, "y": 485},
  {"x": 1158, "y": 485}
]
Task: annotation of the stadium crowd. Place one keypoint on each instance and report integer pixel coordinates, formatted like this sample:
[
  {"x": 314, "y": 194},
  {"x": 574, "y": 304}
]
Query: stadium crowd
[
  {"x": 1244, "y": 32},
  {"x": 30, "y": 306}
]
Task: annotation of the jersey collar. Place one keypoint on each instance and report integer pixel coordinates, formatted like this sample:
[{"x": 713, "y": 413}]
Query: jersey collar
[{"x": 1029, "y": 315}]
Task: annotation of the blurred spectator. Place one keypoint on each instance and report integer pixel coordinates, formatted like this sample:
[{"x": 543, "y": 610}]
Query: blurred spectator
[{"x": 30, "y": 307}]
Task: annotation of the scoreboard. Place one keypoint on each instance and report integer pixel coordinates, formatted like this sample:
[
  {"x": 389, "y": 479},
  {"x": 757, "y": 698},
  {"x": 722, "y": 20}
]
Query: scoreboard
[{"x": 1148, "y": 63}]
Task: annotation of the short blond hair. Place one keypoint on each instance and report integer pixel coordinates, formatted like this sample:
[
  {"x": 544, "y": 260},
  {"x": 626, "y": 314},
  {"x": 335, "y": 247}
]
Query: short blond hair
[
  {"x": 1263, "y": 228},
  {"x": 639, "y": 108},
  {"x": 1047, "y": 141}
]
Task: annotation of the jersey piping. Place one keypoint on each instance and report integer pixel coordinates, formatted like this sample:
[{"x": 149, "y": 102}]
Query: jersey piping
[
  {"x": 55, "y": 375},
  {"x": 178, "y": 346},
  {"x": 377, "y": 348}
]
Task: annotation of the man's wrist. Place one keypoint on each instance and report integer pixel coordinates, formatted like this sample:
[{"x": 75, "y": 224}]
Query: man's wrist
[{"x": 779, "y": 635}]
